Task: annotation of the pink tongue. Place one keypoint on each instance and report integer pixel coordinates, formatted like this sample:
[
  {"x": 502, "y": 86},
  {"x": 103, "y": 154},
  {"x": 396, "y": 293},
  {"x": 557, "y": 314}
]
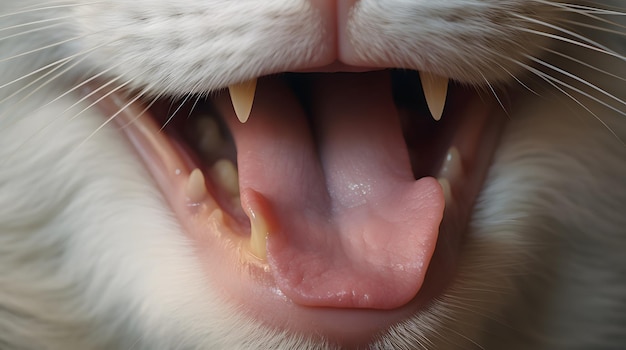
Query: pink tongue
[{"x": 349, "y": 226}]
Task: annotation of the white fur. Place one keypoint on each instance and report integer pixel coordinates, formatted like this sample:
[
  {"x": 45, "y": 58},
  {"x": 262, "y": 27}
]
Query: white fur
[
  {"x": 472, "y": 41},
  {"x": 92, "y": 258}
]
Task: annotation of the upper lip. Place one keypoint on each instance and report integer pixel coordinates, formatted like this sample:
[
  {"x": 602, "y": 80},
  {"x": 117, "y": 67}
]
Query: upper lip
[{"x": 337, "y": 67}]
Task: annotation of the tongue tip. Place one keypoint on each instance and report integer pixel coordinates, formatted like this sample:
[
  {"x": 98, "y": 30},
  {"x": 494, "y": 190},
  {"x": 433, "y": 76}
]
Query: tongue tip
[
  {"x": 358, "y": 291},
  {"x": 319, "y": 284},
  {"x": 380, "y": 264}
]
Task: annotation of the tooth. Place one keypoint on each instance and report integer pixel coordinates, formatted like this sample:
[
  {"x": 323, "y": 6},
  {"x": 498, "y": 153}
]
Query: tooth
[
  {"x": 258, "y": 235},
  {"x": 225, "y": 174},
  {"x": 451, "y": 172},
  {"x": 210, "y": 138},
  {"x": 242, "y": 96},
  {"x": 196, "y": 187},
  {"x": 452, "y": 167},
  {"x": 447, "y": 189},
  {"x": 216, "y": 217},
  {"x": 435, "y": 90}
]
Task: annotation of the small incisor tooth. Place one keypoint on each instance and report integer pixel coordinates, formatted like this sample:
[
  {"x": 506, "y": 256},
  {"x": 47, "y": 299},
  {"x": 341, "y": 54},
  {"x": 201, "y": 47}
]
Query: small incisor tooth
[
  {"x": 435, "y": 91},
  {"x": 242, "y": 97},
  {"x": 196, "y": 187}
]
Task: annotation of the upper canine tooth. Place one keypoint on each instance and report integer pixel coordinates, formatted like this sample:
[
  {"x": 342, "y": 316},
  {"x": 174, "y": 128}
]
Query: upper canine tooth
[
  {"x": 435, "y": 90},
  {"x": 242, "y": 96}
]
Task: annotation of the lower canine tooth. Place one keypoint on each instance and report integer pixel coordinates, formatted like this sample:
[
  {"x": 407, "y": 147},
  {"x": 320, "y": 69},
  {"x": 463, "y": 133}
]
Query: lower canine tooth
[
  {"x": 258, "y": 235},
  {"x": 225, "y": 174},
  {"x": 196, "y": 187},
  {"x": 435, "y": 91},
  {"x": 452, "y": 167},
  {"x": 447, "y": 189}
]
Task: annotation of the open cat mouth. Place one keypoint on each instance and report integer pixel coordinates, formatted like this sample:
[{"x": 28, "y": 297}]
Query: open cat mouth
[{"x": 326, "y": 207}]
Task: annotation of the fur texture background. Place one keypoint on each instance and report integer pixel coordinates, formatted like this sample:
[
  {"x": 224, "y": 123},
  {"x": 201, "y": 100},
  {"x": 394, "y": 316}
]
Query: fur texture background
[{"x": 91, "y": 257}]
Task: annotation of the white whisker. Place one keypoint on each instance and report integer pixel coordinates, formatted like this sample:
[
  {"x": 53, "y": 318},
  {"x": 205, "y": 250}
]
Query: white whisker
[
  {"x": 94, "y": 93},
  {"x": 43, "y": 48},
  {"x": 43, "y": 128},
  {"x": 598, "y": 28},
  {"x": 173, "y": 114},
  {"x": 84, "y": 83},
  {"x": 112, "y": 117},
  {"x": 463, "y": 336},
  {"x": 577, "y": 78},
  {"x": 146, "y": 108},
  {"x": 493, "y": 92},
  {"x": 574, "y": 42},
  {"x": 193, "y": 107},
  {"x": 52, "y": 68},
  {"x": 592, "y": 67},
  {"x": 51, "y": 79},
  {"x": 60, "y": 62},
  {"x": 63, "y": 4},
  {"x": 195, "y": 103},
  {"x": 553, "y": 82},
  {"x": 30, "y": 31},
  {"x": 78, "y": 86},
  {"x": 524, "y": 85},
  {"x": 583, "y": 40},
  {"x": 588, "y": 9},
  {"x": 27, "y": 24},
  {"x": 580, "y": 9},
  {"x": 593, "y": 13}
]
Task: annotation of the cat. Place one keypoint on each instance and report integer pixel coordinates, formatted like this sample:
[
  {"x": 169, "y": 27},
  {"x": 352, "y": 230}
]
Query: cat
[{"x": 109, "y": 238}]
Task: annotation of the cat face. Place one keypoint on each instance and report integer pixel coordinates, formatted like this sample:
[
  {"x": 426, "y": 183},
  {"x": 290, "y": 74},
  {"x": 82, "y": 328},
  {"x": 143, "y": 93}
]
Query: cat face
[{"x": 139, "y": 212}]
